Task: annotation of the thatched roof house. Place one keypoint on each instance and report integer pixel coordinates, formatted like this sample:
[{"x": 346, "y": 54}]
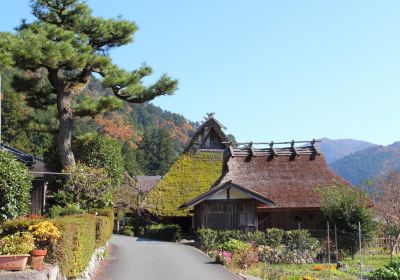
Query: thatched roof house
[
  {"x": 246, "y": 186},
  {"x": 275, "y": 185}
]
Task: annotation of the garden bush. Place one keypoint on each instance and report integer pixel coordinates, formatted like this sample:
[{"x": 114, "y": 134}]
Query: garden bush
[
  {"x": 128, "y": 231},
  {"x": 80, "y": 236},
  {"x": 274, "y": 237},
  {"x": 170, "y": 232},
  {"x": 207, "y": 238},
  {"x": 390, "y": 271},
  {"x": 15, "y": 187},
  {"x": 70, "y": 209},
  {"x": 232, "y": 245}
]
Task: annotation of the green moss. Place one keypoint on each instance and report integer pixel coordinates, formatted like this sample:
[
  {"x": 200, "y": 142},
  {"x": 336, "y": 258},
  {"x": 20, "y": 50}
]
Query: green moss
[{"x": 188, "y": 177}]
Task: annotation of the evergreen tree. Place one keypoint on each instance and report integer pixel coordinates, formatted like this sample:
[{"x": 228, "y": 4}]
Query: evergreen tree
[
  {"x": 130, "y": 162},
  {"x": 61, "y": 50},
  {"x": 156, "y": 152}
]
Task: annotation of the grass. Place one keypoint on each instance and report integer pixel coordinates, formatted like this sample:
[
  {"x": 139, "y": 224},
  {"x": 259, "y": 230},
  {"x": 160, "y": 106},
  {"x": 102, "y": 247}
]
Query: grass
[{"x": 301, "y": 271}]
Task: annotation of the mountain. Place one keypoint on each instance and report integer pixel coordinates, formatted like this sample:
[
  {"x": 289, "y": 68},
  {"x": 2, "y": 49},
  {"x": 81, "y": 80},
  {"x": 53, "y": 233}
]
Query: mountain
[
  {"x": 337, "y": 149},
  {"x": 368, "y": 163}
]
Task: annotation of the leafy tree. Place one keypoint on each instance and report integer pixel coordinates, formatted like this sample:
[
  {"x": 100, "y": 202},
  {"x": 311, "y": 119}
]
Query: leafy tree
[
  {"x": 103, "y": 152},
  {"x": 346, "y": 208},
  {"x": 130, "y": 163},
  {"x": 156, "y": 152},
  {"x": 61, "y": 50},
  {"x": 87, "y": 187},
  {"x": 15, "y": 187}
]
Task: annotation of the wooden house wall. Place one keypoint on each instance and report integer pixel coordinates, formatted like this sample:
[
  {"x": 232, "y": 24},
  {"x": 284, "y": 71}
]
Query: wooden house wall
[
  {"x": 38, "y": 196},
  {"x": 310, "y": 219},
  {"x": 226, "y": 214}
]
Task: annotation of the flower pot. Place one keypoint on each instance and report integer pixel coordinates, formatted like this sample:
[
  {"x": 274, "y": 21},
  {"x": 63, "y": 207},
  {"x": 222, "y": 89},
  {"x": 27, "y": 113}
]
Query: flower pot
[
  {"x": 36, "y": 260},
  {"x": 13, "y": 262}
]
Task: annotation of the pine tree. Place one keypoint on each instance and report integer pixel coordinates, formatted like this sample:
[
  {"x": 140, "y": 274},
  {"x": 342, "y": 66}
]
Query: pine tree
[
  {"x": 62, "y": 49},
  {"x": 156, "y": 152}
]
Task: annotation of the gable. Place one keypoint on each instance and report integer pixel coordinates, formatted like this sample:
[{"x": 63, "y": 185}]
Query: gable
[
  {"x": 209, "y": 135},
  {"x": 212, "y": 141}
]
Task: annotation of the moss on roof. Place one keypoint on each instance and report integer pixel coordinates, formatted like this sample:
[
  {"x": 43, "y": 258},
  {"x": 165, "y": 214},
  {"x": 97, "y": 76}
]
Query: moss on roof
[{"x": 190, "y": 176}]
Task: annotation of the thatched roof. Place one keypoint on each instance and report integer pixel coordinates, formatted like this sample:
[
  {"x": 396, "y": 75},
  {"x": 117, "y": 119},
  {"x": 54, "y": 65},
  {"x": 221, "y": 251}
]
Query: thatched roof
[
  {"x": 191, "y": 175},
  {"x": 146, "y": 183},
  {"x": 290, "y": 177}
]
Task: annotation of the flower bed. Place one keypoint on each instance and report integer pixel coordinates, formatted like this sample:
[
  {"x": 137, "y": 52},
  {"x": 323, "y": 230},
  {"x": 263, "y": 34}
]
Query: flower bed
[{"x": 273, "y": 246}]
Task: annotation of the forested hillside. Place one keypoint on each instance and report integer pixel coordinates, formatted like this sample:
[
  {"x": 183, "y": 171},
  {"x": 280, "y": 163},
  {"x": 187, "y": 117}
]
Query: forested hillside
[
  {"x": 368, "y": 163},
  {"x": 29, "y": 123}
]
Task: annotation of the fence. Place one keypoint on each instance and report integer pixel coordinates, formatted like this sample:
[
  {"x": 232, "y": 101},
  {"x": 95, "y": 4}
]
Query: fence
[{"x": 367, "y": 253}]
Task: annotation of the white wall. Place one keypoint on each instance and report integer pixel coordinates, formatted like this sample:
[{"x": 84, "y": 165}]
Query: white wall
[{"x": 234, "y": 194}]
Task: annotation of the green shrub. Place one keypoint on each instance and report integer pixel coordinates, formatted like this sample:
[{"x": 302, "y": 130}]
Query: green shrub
[
  {"x": 390, "y": 271},
  {"x": 225, "y": 235},
  {"x": 170, "y": 232},
  {"x": 301, "y": 240},
  {"x": 127, "y": 230},
  {"x": 233, "y": 245},
  {"x": 256, "y": 238},
  {"x": 17, "y": 244},
  {"x": 274, "y": 237},
  {"x": 15, "y": 187},
  {"x": 207, "y": 238},
  {"x": 71, "y": 209}
]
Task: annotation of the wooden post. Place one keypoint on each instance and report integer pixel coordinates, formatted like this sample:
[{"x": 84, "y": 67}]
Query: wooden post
[
  {"x": 336, "y": 246},
  {"x": 359, "y": 240},
  {"x": 329, "y": 242}
]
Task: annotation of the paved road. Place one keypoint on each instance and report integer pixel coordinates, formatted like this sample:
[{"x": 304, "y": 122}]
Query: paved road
[{"x": 136, "y": 258}]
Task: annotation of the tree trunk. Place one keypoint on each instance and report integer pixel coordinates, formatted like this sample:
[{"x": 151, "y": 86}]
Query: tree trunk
[{"x": 65, "y": 130}]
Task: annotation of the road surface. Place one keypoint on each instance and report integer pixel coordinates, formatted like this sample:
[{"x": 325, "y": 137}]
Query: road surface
[{"x": 137, "y": 258}]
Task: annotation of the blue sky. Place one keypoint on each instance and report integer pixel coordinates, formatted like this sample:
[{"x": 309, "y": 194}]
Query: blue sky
[{"x": 270, "y": 70}]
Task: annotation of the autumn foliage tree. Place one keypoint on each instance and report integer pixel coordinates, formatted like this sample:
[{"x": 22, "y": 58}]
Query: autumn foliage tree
[{"x": 61, "y": 50}]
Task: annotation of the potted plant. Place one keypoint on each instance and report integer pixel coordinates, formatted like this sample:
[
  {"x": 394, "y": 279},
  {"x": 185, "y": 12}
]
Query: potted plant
[
  {"x": 46, "y": 234},
  {"x": 14, "y": 250}
]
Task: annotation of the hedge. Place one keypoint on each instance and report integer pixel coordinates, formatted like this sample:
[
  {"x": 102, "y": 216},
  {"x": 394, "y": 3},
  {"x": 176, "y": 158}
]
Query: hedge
[
  {"x": 80, "y": 236},
  {"x": 170, "y": 232}
]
